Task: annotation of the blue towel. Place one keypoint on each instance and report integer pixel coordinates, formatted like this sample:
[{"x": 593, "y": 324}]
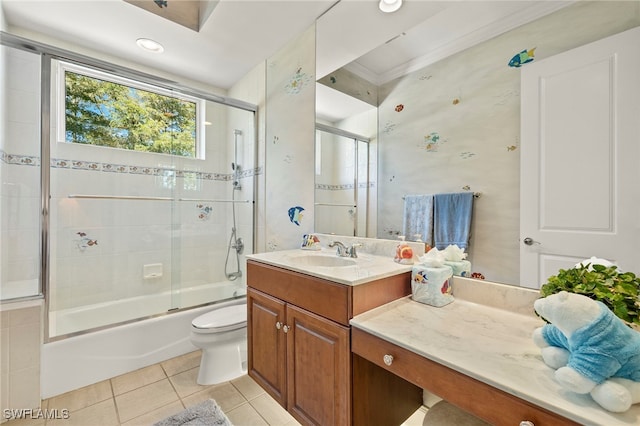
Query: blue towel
[
  {"x": 418, "y": 217},
  {"x": 604, "y": 348},
  {"x": 452, "y": 219}
]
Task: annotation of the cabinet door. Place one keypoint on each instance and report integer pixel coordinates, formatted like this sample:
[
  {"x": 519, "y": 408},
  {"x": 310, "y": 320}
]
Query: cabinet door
[
  {"x": 318, "y": 369},
  {"x": 266, "y": 343}
]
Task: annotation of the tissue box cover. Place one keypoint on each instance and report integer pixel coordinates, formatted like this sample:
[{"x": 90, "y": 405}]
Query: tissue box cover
[
  {"x": 431, "y": 285},
  {"x": 461, "y": 269}
]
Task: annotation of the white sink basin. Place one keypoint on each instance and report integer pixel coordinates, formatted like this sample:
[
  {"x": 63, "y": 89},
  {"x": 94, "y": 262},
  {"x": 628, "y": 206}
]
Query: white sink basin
[
  {"x": 322, "y": 260},
  {"x": 326, "y": 265}
]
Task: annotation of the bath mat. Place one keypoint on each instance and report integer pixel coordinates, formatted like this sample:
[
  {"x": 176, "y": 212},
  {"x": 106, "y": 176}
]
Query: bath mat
[{"x": 205, "y": 413}]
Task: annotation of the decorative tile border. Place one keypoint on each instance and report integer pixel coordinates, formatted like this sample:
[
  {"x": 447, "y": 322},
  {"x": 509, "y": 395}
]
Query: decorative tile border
[
  {"x": 343, "y": 187},
  {"x": 23, "y": 160},
  {"x": 59, "y": 163}
]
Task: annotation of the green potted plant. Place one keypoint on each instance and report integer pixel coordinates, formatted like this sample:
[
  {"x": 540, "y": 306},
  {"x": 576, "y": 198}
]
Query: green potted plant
[{"x": 619, "y": 291}]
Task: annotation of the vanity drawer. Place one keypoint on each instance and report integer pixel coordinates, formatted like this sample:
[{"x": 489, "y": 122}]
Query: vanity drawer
[
  {"x": 323, "y": 297},
  {"x": 484, "y": 401}
]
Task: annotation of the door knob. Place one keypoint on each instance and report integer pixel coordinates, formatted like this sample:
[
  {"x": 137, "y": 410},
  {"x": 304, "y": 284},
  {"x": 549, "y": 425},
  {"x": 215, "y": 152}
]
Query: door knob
[
  {"x": 285, "y": 328},
  {"x": 530, "y": 241},
  {"x": 278, "y": 325}
]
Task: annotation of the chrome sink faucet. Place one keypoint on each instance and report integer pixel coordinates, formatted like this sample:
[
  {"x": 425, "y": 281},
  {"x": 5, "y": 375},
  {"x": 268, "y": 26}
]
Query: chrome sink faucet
[{"x": 344, "y": 251}]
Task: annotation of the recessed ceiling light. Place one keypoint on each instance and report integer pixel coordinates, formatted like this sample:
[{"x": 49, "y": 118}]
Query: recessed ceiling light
[
  {"x": 389, "y": 6},
  {"x": 150, "y": 45}
]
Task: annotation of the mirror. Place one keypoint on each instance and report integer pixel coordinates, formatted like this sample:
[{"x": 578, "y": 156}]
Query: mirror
[
  {"x": 343, "y": 164},
  {"x": 341, "y": 182},
  {"x": 448, "y": 97}
]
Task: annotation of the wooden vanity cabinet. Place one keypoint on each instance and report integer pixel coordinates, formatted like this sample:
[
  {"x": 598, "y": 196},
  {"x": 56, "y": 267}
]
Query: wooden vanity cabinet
[
  {"x": 301, "y": 359},
  {"x": 484, "y": 401},
  {"x": 267, "y": 344},
  {"x": 299, "y": 339}
]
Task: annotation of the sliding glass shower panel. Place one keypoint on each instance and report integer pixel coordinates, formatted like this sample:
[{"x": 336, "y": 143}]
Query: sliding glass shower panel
[
  {"x": 20, "y": 195},
  {"x": 138, "y": 233},
  {"x": 213, "y": 212}
]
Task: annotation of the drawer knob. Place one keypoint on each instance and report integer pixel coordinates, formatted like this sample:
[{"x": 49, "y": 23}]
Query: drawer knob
[
  {"x": 388, "y": 359},
  {"x": 526, "y": 423},
  {"x": 278, "y": 325}
]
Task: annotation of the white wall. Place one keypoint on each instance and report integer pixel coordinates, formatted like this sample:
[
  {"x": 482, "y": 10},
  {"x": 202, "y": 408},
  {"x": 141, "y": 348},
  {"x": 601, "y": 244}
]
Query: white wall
[{"x": 289, "y": 150}]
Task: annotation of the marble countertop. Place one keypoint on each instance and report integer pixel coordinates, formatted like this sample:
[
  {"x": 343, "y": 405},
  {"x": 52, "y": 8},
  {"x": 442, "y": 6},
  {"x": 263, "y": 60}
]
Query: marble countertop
[
  {"x": 366, "y": 267},
  {"x": 374, "y": 261},
  {"x": 490, "y": 344}
]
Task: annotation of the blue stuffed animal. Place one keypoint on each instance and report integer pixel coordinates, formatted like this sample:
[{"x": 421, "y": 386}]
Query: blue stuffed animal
[{"x": 592, "y": 350}]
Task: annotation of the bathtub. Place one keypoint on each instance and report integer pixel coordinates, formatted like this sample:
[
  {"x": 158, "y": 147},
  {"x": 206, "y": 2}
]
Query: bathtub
[
  {"x": 84, "y": 359},
  {"x": 68, "y": 321}
]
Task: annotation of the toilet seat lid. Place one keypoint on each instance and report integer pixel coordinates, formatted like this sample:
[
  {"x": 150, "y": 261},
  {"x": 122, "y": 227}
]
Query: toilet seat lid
[{"x": 223, "y": 319}]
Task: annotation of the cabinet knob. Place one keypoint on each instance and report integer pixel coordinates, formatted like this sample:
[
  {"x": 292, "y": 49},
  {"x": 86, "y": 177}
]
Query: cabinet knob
[
  {"x": 285, "y": 328},
  {"x": 278, "y": 325},
  {"x": 387, "y": 359},
  {"x": 526, "y": 423}
]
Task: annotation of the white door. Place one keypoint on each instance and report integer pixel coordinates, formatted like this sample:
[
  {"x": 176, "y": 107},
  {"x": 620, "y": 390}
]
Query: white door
[{"x": 580, "y": 158}]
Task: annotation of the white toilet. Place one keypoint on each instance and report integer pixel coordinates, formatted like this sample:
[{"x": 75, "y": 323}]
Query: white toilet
[{"x": 222, "y": 336}]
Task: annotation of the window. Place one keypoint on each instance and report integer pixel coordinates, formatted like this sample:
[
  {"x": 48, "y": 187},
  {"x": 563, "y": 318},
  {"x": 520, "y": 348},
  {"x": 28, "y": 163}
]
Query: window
[{"x": 97, "y": 108}]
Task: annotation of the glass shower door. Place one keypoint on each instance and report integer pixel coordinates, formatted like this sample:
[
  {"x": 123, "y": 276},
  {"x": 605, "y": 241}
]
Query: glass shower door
[{"x": 20, "y": 195}]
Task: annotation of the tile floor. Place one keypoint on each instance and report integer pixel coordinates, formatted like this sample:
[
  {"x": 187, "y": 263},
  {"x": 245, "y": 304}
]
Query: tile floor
[{"x": 145, "y": 396}]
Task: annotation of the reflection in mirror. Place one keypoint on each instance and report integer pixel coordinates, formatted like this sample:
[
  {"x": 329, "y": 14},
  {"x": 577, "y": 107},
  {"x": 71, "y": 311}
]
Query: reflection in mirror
[
  {"x": 449, "y": 105},
  {"x": 341, "y": 187},
  {"x": 345, "y": 164}
]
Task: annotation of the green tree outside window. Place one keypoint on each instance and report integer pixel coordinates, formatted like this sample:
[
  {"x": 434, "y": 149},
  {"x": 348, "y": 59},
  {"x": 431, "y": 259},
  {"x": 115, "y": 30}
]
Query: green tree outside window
[{"x": 104, "y": 113}]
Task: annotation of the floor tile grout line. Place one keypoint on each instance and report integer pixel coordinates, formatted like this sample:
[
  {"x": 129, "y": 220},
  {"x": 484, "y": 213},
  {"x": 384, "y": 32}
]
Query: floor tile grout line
[
  {"x": 184, "y": 406},
  {"x": 259, "y": 413},
  {"x": 115, "y": 403}
]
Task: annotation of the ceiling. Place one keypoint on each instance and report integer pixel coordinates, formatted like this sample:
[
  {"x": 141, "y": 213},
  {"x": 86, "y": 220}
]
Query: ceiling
[
  {"x": 236, "y": 35},
  {"x": 380, "y": 48}
]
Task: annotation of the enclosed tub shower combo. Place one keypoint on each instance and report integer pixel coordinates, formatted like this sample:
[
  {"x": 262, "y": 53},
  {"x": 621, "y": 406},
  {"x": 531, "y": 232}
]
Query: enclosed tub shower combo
[{"x": 127, "y": 247}]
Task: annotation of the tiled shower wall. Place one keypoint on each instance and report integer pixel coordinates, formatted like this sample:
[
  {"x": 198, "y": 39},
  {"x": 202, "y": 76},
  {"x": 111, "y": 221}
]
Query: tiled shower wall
[{"x": 102, "y": 246}]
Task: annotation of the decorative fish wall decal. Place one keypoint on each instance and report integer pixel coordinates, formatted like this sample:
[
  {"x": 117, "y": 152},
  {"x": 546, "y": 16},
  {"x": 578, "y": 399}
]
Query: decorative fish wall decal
[{"x": 522, "y": 58}]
